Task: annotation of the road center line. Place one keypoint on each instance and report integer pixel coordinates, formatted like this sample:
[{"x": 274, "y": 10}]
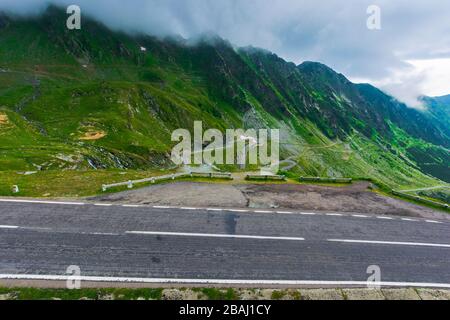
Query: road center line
[
  {"x": 36, "y": 228},
  {"x": 334, "y": 215},
  {"x": 208, "y": 235},
  {"x": 418, "y": 244},
  {"x": 9, "y": 227},
  {"x": 102, "y": 234}
]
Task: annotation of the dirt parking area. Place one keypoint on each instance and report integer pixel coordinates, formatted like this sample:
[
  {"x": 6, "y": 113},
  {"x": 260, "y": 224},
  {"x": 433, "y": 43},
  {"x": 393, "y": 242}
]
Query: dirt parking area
[{"x": 355, "y": 198}]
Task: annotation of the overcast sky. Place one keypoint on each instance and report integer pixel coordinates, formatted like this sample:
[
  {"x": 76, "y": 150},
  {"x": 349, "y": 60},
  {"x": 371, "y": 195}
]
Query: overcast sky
[{"x": 408, "y": 57}]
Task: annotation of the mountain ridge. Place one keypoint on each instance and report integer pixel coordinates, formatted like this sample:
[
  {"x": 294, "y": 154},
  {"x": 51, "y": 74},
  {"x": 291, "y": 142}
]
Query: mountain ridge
[{"x": 59, "y": 86}]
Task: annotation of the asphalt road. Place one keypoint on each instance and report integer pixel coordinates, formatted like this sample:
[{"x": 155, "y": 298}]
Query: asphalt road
[{"x": 39, "y": 240}]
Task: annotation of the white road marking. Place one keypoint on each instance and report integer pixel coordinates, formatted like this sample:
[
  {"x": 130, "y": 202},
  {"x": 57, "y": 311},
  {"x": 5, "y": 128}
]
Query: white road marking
[
  {"x": 334, "y": 214},
  {"x": 25, "y": 228},
  {"x": 419, "y": 244},
  {"x": 212, "y": 209},
  {"x": 161, "y": 207},
  {"x": 103, "y": 234},
  {"x": 433, "y": 221},
  {"x": 308, "y": 213},
  {"x": 131, "y": 206},
  {"x": 9, "y": 227},
  {"x": 261, "y": 211},
  {"x": 36, "y": 228},
  {"x": 103, "y": 204},
  {"x": 209, "y": 235},
  {"x": 220, "y": 281},
  {"x": 237, "y": 210},
  {"x": 42, "y": 202},
  {"x": 188, "y": 208},
  {"x": 408, "y": 219},
  {"x": 359, "y": 216},
  {"x": 385, "y": 218},
  {"x": 285, "y": 212}
]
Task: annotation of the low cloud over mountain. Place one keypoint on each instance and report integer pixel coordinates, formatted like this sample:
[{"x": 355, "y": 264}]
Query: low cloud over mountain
[{"x": 413, "y": 33}]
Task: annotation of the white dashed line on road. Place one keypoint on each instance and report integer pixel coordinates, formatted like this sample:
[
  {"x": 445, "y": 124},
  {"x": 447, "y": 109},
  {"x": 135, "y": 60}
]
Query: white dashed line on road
[
  {"x": 418, "y": 244},
  {"x": 209, "y": 235},
  {"x": 334, "y": 214},
  {"x": 385, "y": 218},
  {"x": 36, "y": 228},
  {"x": 9, "y": 227},
  {"x": 103, "y": 234}
]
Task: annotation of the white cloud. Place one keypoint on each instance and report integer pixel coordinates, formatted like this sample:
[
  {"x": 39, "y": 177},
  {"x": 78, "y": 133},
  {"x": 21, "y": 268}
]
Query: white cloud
[
  {"x": 437, "y": 75},
  {"x": 422, "y": 77}
]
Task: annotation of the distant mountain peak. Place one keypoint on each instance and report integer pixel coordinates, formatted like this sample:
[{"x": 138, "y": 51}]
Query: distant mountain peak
[{"x": 445, "y": 98}]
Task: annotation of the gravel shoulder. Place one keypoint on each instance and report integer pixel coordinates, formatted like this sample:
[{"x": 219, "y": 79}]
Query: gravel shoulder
[{"x": 348, "y": 199}]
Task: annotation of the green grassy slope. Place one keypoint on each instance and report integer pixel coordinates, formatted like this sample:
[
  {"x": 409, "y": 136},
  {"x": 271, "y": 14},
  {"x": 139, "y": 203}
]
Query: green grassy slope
[{"x": 93, "y": 99}]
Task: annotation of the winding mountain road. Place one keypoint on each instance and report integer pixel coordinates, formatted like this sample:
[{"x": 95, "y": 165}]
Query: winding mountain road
[{"x": 133, "y": 243}]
